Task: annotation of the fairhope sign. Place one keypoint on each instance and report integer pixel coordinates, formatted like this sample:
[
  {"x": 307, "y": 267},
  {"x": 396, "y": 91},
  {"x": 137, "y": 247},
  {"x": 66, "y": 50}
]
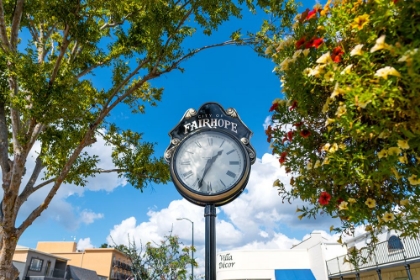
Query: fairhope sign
[{"x": 226, "y": 261}]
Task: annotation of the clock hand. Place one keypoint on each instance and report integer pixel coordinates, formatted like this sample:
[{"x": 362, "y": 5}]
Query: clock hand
[{"x": 207, "y": 167}]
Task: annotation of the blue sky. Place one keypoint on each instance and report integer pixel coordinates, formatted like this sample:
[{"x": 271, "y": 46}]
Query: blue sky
[{"x": 107, "y": 209}]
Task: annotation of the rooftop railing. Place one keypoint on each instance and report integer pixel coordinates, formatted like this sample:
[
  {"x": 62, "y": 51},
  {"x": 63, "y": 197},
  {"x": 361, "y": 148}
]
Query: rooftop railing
[{"x": 395, "y": 251}]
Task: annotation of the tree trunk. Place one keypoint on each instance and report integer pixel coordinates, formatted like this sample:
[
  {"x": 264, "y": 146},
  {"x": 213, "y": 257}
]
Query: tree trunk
[{"x": 8, "y": 246}]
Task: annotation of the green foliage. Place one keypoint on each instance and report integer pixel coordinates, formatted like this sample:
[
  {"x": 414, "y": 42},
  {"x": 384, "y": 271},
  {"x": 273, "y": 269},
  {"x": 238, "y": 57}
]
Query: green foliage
[
  {"x": 167, "y": 260},
  {"x": 349, "y": 128}
]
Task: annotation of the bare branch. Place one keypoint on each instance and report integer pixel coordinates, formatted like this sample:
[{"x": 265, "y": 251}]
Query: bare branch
[
  {"x": 4, "y": 140},
  {"x": 3, "y": 30},
  {"x": 88, "y": 70},
  {"x": 28, "y": 190},
  {"x": 63, "y": 49},
  {"x": 17, "y": 16},
  {"x": 110, "y": 170}
]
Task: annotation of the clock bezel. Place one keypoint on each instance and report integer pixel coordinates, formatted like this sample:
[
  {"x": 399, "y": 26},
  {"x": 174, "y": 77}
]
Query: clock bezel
[{"x": 219, "y": 198}]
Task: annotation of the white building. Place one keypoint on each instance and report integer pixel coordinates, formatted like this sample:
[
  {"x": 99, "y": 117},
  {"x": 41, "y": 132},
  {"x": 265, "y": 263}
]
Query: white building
[
  {"x": 318, "y": 259},
  {"x": 305, "y": 261}
]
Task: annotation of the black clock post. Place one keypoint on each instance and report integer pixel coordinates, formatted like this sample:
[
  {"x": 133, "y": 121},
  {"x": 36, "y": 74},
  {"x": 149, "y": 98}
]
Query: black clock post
[{"x": 210, "y": 158}]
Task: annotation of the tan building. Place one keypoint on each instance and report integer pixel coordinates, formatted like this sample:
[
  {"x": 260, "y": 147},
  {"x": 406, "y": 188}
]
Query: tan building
[{"x": 108, "y": 263}]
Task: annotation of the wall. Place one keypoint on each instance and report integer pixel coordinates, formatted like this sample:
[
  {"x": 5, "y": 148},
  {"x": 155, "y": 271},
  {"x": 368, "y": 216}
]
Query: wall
[{"x": 258, "y": 264}]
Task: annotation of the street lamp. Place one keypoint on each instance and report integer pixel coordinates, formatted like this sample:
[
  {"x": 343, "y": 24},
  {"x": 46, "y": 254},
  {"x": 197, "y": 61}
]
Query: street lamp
[{"x": 192, "y": 244}]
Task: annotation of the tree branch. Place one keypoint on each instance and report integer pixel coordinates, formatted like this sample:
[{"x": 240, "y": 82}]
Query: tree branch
[
  {"x": 88, "y": 70},
  {"x": 113, "y": 24},
  {"x": 17, "y": 16},
  {"x": 63, "y": 49},
  {"x": 4, "y": 141},
  {"x": 3, "y": 29},
  {"x": 29, "y": 189}
]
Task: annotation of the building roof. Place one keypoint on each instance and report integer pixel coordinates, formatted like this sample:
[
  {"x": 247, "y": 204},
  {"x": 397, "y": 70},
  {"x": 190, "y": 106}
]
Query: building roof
[
  {"x": 23, "y": 248},
  {"x": 78, "y": 273}
]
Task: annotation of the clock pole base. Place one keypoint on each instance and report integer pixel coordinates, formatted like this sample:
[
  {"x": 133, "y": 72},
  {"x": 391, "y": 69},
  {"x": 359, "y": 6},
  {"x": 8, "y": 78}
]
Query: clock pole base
[{"x": 210, "y": 246}]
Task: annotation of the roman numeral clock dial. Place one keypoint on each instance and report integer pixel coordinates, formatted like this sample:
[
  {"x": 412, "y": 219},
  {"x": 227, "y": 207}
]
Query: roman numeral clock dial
[{"x": 210, "y": 163}]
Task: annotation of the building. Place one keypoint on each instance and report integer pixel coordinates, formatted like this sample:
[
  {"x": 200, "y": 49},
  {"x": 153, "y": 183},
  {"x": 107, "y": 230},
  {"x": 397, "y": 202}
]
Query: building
[
  {"x": 317, "y": 258},
  {"x": 32, "y": 262},
  {"x": 394, "y": 258},
  {"x": 305, "y": 261},
  {"x": 108, "y": 263}
]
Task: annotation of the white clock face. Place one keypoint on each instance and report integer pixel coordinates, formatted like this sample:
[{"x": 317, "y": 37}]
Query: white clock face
[{"x": 209, "y": 162}]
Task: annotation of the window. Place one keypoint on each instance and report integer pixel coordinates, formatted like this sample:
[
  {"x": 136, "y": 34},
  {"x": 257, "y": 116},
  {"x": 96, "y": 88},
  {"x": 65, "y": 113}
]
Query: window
[
  {"x": 394, "y": 243},
  {"x": 36, "y": 264}
]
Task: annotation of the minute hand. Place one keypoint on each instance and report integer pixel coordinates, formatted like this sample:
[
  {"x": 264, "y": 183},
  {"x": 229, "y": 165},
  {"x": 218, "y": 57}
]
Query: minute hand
[{"x": 207, "y": 167}]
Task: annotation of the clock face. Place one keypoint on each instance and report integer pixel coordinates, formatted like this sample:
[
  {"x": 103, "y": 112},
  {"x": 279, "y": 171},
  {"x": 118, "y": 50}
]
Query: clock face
[{"x": 209, "y": 162}]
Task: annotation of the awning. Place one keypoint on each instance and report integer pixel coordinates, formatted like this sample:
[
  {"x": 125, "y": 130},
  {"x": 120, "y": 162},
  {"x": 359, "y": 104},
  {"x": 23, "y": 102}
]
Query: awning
[{"x": 294, "y": 274}]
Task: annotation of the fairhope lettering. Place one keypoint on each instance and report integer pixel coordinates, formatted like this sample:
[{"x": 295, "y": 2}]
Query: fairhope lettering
[
  {"x": 211, "y": 123},
  {"x": 226, "y": 261}
]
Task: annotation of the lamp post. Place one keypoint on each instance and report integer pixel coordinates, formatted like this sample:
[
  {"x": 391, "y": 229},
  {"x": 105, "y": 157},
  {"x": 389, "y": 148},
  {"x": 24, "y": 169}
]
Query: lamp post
[{"x": 192, "y": 244}]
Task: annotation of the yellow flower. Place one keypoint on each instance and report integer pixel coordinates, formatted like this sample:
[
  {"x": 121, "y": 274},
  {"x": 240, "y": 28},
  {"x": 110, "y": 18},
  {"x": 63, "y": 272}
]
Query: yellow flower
[
  {"x": 368, "y": 228},
  {"x": 326, "y": 147},
  {"x": 307, "y": 71},
  {"x": 285, "y": 64},
  {"x": 403, "y": 159},
  {"x": 326, "y": 161},
  {"x": 306, "y": 52},
  {"x": 414, "y": 180},
  {"x": 329, "y": 76},
  {"x": 388, "y": 217},
  {"x": 357, "y": 50},
  {"x": 351, "y": 200},
  {"x": 387, "y": 71},
  {"x": 326, "y": 105},
  {"x": 334, "y": 148},
  {"x": 394, "y": 151},
  {"x": 404, "y": 202},
  {"x": 407, "y": 55},
  {"x": 276, "y": 183},
  {"x": 341, "y": 110},
  {"x": 309, "y": 165},
  {"x": 347, "y": 70},
  {"x": 329, "y": 121},
  {"x": 269, "y": 50},
  {"x": 317, "y": 164},
  {"x": 403, "y": 144},
  {"x": 383, "y": 153},
  {"x": 343, "y": 205},
  {"x": 360, "y": 21},
  {"x": 318, "y": 70},
  {"x": 297, "y": 53},
  {"x": 325, "y": 58},
  {"x": 337, "y": 91},
  {"x": 370, "y": 202},
  {"x": 379, "y": 45}
]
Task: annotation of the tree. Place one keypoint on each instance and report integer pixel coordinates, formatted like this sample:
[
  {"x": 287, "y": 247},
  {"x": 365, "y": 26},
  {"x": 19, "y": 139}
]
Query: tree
[
  {"x": 348, "y": 129},
  {"x": 166, "y": 260},
  {"x": 49, "y": 51}
]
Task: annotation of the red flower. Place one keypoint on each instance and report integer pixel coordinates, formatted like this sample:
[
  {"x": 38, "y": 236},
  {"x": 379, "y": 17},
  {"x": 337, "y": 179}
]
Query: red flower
[
  {"x": 311, "y": 14},
  {"x": 282, "y": 157},
  {"x": 317, "y": 42},
  {"x": 324, "y": 198},
  {"x": 294, "y": 105},
  {"x": 314, "y": 42},
  {"x": 304, "y": 15},
  {"x": 290, "y": 135},
  {"x": 337, "y": 54},
  {"x": 273, "y": 107},
  {"x": 395, "y": 1},
  {"x": 305, "y": 133},
  {"x": 300, "y": 42}
]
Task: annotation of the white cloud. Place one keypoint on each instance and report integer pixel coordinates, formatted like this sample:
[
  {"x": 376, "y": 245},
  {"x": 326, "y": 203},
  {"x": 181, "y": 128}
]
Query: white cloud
[
  {"x": 84, "y": 243},
  {"x": 88, "y": 217},
  {"x": 252, "y": 221}
]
